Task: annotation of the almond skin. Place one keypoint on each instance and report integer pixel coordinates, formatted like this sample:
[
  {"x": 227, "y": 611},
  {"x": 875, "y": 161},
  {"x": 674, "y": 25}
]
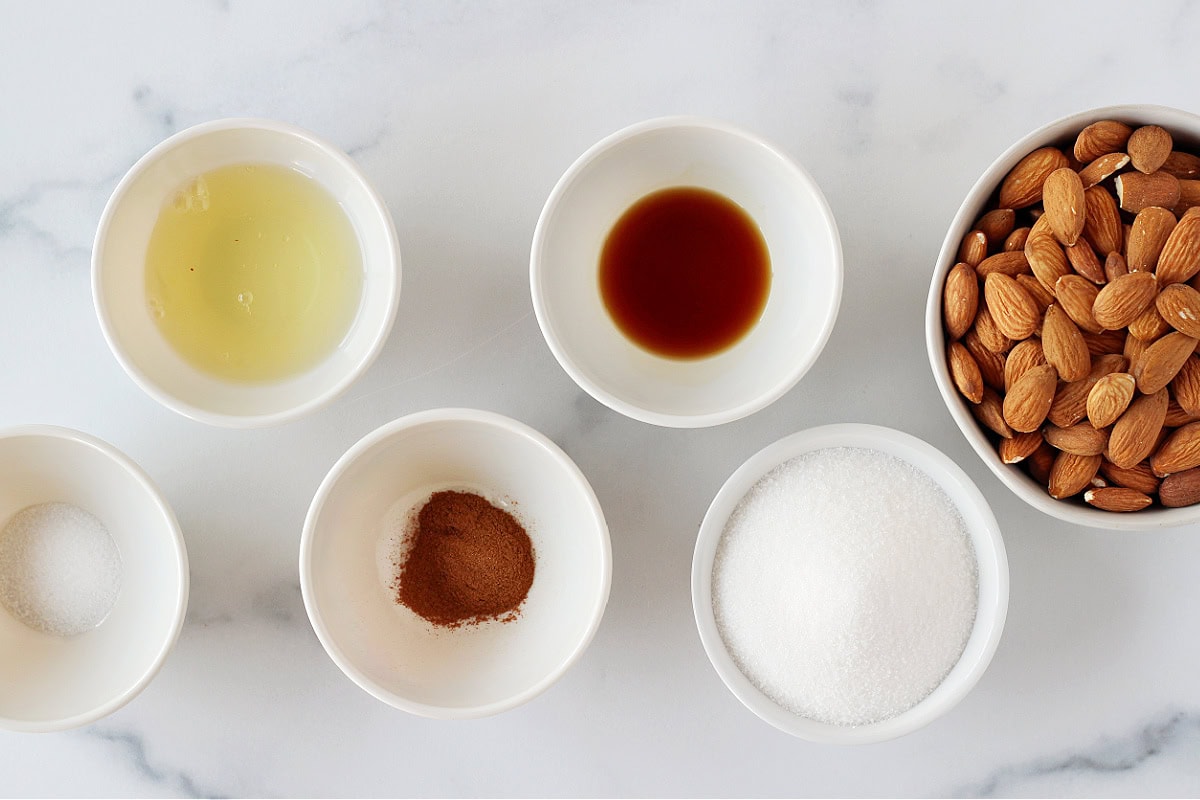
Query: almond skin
[
  {"x": 1109, "y": 398},
  {"x": 1120, "y": 302},
  {"x": 1115, "y": 267},
  {"x": 1182, "y": 165},
  {"x": 1045, "y": 255},
  {"x": 1181, "y": 451},
  {"x": 960, "y": 300},
  {"x": 1139, "y": 477},
  {"x": 1016, "y": 240},
  {"x": 1149, "y": 233},
  {"x": 1064, "y": 346},
  {"x": 1149, "y": 325},
  {"x": 1101, "y": 138},
  {"x": 1040, "y": 294},
  {"x": 1063, "y": 201},
  {"x": 1015, "y": 312},
  {"x": 1185, "y": 387},
  {"x": 965, "y": 372},
  {"x": 1117, "y": 499},
  {"x": 1081, "y": 439},
  {"x": 1135, "y": 434},
  {"x": 1189, "y": 196},
  {"x": 1020, "y": 447},
  {"x": 1162, "y": 361},
  {"x": 996, "y": 225},
  {"x": 1041, "y": 462},
  {"x": 1180, "y": 256},
  {"x": 1136, "y": 191},
  {"x": 1103, "y": 227},
  {"x": 1029, "y": 400},
  {"x": 990, "y": 334},
  {"x": 1077, "y": 295},
  {"x": 1085, "y": 262},
  {"x": 1070, "y": 401},
  {"x": 1023, "y": 357},
  {"x": 1179, "y": 305},
  {"x": 1023, "y": 185},
  {"x": 1148, "y": 148},
  {"x": 991, "y": 365},
  {"x": 1071, "y": 474},
  {"x": 1180, "y": 489},
  {"x": 973, "y": 248},
  {"x": 1105, "y": 342},
  {"x": 990, "y": 414},
  {"x": 1102, "y": 168},
  {"x": 1009, "y": 263}
]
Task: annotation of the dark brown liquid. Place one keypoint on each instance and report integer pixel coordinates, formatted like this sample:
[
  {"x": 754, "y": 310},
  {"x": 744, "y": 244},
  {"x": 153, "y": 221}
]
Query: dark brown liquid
[{"x": 685, "y": 272}]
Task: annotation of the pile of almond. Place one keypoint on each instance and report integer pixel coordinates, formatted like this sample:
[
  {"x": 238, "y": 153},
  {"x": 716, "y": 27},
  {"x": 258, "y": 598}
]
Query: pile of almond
[{"x": 1072, "y": 318}]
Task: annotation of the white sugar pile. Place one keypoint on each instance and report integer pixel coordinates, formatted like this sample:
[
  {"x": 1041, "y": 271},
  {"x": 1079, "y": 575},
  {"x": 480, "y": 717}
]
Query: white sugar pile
[
  {"x": 60, "y": 570},
  {"x": 845, "y": 585}
]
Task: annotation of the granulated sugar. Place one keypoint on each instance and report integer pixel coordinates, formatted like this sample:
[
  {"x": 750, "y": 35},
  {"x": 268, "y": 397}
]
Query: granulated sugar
[
  {"x": 845, "y": 585},
  {"x": 60, "y": 570}
]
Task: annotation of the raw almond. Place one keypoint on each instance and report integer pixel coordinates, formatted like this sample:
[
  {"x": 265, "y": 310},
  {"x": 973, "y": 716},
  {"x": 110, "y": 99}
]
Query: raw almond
[
  {"x": 1023, "y": 357},
  {"x": 996, "y": 225},
  {"x": 1102, "y": 168},
  {"x": 1101, "y": 138},
  {"x": 1016, "y": 240},
  {"x": 1041, "y": 462},
  {"x": 1134, "y": 348},
  {"x": 1023, "y": 186},
  {"x": 1117, "y": 498},
  {"x": 1120, "y": 302},
  {"x": 991, "y": 365},
  {"x": 1185, "y": 388},
  {"x": 1136, "y": 190},
  {"x": 960, "y": 300},
  {"x": 1063, "y": 201},
  {"x": 1103, "y": 226},
  {"x": 1081, "y": 439},
  {"x": 973, "y": 248},
  {"x": 1040, "y": 294},
  {"x": 1139, "y": 476},
  {"x": 1182, "y": 165},
  {"x": 989, "y": 413},
  {"x": 1149, "y": 147},
  {"x": 1162, "y": 361},
  {"x": 1070, "y": 401},
  {"x": 1105, "y": 342},
  {"x": 1180, "y": 489},
  {"x": 1029, "y": 399},
  {"x": 1077, "y": 295},
  {"x": 1071, "y": 474},
  {"x": 1149, "y": 233},
  {"x": 1189, "y": 196},
  {"x": 1180, "y": 256},
  {"x": 1149, "y": 325},
  {"x": 964, "y": 371},
  {"x": 1135, "y": 434},
  {"x": 1109, "y": 398},
  {"x": 1045, "y": 254},
  {"x": 991, "y": 335},
  {"x": 1015, "y": 312},
  {"x": 1115, "y": 267},
  {"x": 1176, "y": 416},
  {"x": 1020, "y": 447},
  {"x": 1181, "y": 451},
  {"x": 1179, "y": 305},
  {"x": 1085, "y": 261},
  {"x": 1008, "y": 263},
  {"x": 1063, "y": 345}
]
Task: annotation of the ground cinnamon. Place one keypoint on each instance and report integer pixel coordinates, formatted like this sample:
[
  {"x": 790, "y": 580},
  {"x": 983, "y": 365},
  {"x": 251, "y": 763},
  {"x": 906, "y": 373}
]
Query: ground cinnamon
[{"x": 467, "y": 561}]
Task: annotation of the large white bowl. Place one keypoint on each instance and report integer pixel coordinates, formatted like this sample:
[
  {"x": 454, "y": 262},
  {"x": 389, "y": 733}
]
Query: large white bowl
[
  {"x": 796, "y": 223},
  {"x": 347, "y": 573},
  {"x": 50, "y": 683},
  {"x": 1185, "y": 128},
  {"x": 990, "y": 557},
  {"x": 118, "y": 272}
]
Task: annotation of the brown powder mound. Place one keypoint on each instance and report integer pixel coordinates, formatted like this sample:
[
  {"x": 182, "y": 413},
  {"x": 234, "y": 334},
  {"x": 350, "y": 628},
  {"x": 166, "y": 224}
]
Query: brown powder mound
[{"x": 468, "y": 561}]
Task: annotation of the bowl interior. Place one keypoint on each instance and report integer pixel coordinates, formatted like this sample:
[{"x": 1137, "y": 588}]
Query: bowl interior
[
  {"x": 47, "y": 682},
  {"x": 1185, "y": 128},
  {"x": 348, "y": 565},
  {"x": 119, "y": 263},
  {"x": 805, "y": 261},
  {"x": 989, "y": 555}
]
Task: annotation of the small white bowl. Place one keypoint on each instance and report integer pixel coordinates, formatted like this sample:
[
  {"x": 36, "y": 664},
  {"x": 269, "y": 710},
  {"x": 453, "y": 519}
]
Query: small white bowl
[
  {"x": 347, "y": 565},
  {"x": 1185, "y": 127},
  {"x": 118, "y": 272},
  {"x": 806, "y": 264},
  {"x": 51, "y": 683},
  {"x": 989, "y": 555}
]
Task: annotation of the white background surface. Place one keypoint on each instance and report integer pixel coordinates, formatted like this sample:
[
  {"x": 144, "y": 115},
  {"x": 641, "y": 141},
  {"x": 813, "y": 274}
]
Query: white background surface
[{"x": 464, "y": 115}]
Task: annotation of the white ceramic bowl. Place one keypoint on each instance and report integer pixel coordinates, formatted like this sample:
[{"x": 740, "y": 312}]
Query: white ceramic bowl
[
  {"x": 1185, "y": 128},
  {"x": 989, "y": 555},
  {"x": 347, "y": 570},
  {"x": 796, "y": 223},
  {"x": 50, "y": 683},
  {"x": 118, "y": 272}
]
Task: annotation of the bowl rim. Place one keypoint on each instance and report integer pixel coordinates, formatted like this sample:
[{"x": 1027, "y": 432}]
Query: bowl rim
[
  {"x": 178, "y": 404},
  {"x": 987, "y": 542},
  {"x": 382, "y": 434},
  {"x": 827, "y": 226},
  {"x": 972, "y": 206},
  {"x": 121, "y": 461}
]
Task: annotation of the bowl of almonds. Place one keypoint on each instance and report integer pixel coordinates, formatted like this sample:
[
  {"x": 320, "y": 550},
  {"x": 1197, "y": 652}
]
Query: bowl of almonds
[{"x": 1063, "y": 319}]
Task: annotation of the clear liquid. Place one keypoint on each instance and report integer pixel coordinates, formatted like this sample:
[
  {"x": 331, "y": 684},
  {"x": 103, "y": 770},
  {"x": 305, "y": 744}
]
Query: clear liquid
[{"x": 253, "y": 272}]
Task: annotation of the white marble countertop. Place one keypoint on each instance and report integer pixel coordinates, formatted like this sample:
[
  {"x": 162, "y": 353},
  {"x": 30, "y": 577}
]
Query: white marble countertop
[{"x": 464, "y": 115}]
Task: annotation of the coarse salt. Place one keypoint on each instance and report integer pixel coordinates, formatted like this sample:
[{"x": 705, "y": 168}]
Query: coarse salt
[
  {"x": 845, "y": 585},
  {"x": 60, "y": 570}
]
